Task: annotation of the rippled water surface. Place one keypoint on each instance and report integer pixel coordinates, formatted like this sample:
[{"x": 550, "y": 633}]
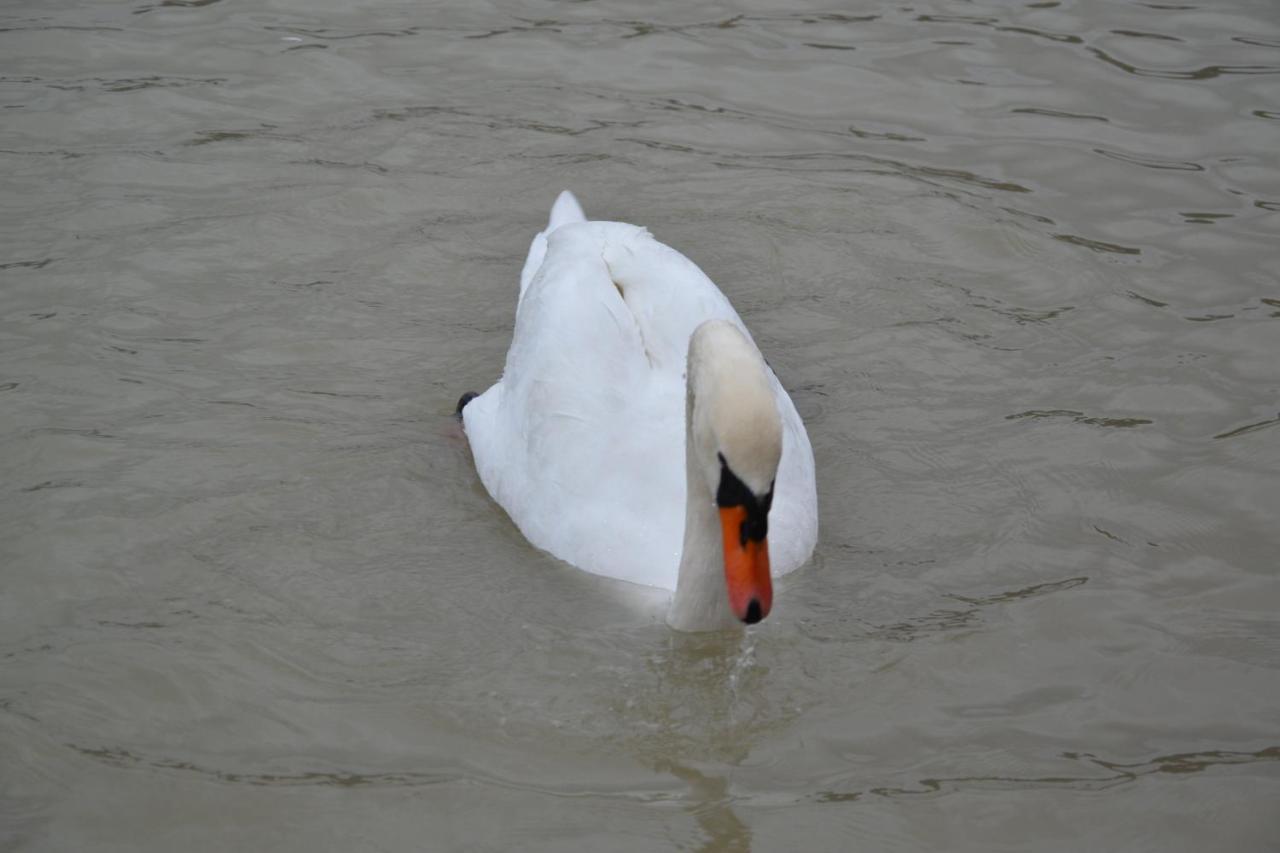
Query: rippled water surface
[{"x": 1017, "y": 264}]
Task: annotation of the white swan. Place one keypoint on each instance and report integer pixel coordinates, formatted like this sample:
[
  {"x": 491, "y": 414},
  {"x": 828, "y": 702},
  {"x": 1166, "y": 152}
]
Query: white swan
[{"x": 592, "y": 439}]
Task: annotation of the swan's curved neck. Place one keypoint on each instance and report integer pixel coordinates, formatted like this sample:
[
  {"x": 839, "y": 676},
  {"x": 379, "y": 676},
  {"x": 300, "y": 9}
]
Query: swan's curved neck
[
  {"x": 730, "y": 419},
  {"x": 701, "y": 601}
]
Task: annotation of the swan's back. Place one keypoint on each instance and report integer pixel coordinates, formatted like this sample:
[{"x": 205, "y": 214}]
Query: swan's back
[{"x": 582, "y": 440}]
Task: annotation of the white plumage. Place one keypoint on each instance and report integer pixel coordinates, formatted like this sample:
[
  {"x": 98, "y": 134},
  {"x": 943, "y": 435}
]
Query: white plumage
[{"x": 582, "y": 441}]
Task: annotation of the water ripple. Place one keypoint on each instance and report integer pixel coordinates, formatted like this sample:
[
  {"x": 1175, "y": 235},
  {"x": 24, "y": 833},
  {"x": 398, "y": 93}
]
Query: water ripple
[
  {"x": 1207, "y": 72},
  {"x": 1151, "y": 162},
  {"x": 1079, "y": 417},
  {"x": 1117, "y": 773}
]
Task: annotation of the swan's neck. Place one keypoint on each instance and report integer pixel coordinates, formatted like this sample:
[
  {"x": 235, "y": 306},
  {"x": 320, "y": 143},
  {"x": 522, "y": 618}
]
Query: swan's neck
[
  {"x": 730, "y": 418},
  {"x": 701, "y": 601}
]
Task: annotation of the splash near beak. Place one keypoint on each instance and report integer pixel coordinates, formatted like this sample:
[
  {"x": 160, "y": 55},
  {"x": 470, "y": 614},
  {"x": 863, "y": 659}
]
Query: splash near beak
[{"x": 746, "y": 567}]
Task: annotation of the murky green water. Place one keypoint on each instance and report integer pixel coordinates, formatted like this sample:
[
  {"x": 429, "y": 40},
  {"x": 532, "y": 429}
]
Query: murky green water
[{"x": 1016, "y": 263}]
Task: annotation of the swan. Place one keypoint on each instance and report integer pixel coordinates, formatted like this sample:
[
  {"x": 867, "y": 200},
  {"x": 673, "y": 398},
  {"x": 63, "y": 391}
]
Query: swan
[{"x": 636, "y": 431}]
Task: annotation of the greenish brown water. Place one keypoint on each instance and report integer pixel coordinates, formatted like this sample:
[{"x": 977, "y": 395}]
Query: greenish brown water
[{"x": 1016, "y": 263}]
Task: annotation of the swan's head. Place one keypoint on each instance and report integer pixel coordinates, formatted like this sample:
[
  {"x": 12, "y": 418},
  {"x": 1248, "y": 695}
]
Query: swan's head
[{"x": 735, "y": 435}]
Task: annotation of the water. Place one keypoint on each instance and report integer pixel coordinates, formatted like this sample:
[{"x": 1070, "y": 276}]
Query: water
[{"x": 1017, "y": 265}]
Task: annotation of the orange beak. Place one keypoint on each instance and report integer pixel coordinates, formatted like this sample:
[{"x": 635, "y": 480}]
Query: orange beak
[{"x": 746, "y": 568}]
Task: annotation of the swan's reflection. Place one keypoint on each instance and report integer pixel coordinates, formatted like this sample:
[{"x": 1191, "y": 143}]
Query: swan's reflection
[
  {"x": 710, "y": 806},
  {"x": 706, "y": 711}
]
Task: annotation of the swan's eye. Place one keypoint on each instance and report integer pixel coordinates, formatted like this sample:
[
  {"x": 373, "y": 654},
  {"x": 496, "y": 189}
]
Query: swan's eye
[{"x": 734, "y": 492}]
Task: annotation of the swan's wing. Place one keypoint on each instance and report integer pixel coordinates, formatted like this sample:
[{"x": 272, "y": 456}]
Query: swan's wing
[
  {"x": 793, "y": 521},
  {"x": 666, "y": 293},
  {"x": 582, "y": 440},
  {"x": 669, "y": 297}
]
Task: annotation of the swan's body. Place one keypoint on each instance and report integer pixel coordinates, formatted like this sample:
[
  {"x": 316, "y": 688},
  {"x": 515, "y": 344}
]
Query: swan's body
[{"x": 583, "y": 440}]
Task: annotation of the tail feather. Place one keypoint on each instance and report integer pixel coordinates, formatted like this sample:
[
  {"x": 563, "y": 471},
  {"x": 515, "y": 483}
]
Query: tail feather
[{"x": 565, "y": 211}]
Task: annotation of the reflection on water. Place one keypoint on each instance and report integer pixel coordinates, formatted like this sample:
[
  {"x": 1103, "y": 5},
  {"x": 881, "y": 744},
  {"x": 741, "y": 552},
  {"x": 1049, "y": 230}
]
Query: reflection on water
[
  {"x": 1016, "y": 264},
  {"x": 710, "y": 805},
  {"x": 701, "y": 715}
]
